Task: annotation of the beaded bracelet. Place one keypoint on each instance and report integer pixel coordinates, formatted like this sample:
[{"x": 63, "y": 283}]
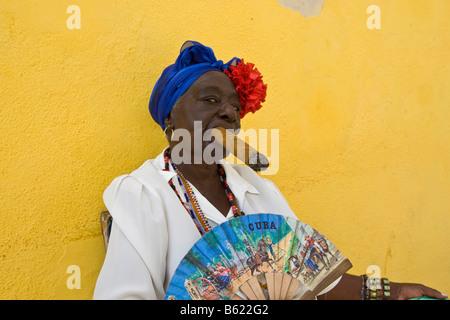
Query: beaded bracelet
[{"x": 375, "y": 288}]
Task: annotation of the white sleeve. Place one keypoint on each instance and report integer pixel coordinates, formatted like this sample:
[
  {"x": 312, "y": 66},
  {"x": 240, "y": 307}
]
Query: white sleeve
[
  {"x": 330, "y": 287},
  {"x": 283, "y": 201},
  {"x": 124, "y": 274},
  {"x": 135, "y": 262}
]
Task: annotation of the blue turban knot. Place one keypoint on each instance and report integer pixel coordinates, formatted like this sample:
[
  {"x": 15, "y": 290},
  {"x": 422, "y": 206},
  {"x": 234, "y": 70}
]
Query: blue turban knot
[{"x": 194, "y": 60}]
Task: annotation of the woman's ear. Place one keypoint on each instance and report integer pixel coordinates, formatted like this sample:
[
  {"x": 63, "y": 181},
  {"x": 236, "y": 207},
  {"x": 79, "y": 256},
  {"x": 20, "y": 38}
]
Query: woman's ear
[
  {"x": 168, "y": 130},
  {"x": 168, "y": 122}
]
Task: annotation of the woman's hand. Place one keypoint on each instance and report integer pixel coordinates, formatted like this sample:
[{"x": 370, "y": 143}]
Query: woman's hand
[
  {"x": 349, "y": 288},
  {"x": 404, "y": 291}
]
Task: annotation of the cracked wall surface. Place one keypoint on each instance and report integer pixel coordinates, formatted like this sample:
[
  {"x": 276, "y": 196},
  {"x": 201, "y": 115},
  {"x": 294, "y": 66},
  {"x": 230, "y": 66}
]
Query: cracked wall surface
[{"x": 308, "y": 8}]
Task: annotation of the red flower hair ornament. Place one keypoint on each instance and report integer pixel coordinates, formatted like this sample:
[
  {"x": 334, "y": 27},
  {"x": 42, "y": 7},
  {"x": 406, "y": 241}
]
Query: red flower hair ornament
[{"x": 249, "y": 86}]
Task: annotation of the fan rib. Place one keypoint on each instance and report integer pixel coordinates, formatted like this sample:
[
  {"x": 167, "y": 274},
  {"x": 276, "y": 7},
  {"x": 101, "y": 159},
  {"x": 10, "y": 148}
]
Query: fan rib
[{"x": 258, "y": 257}]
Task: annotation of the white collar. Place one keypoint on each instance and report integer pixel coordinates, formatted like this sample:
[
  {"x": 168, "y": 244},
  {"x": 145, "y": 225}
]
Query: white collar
[{"x": 238, "y": 185}]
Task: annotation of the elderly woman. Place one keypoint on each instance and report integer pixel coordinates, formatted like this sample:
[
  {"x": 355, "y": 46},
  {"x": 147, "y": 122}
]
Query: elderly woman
[{"x": 161, "y": 209}]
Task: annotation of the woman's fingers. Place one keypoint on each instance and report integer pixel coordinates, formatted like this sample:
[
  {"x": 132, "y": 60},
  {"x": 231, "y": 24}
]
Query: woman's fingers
[{"x": 432, "y": 293}]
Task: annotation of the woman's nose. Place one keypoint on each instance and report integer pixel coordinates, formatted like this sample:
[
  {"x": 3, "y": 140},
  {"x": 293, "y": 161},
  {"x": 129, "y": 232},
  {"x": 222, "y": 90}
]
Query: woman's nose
[{"x": 228, "y": 112}]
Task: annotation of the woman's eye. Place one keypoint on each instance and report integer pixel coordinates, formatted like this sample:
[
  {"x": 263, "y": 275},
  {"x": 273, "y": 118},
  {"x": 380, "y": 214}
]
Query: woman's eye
[{"x": 211, "y": 100}]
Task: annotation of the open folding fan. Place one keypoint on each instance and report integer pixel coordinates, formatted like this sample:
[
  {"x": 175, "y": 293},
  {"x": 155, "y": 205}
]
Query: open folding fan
[{"x": 258, "y": 257}]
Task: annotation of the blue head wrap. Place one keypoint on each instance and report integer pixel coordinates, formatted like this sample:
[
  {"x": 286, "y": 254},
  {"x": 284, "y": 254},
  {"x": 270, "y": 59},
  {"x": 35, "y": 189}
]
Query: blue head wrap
[{"x": 194, "y": 60}]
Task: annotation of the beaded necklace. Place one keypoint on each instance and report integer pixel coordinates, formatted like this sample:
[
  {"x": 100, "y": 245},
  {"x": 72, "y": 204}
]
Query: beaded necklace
[{"x": 191, "y": 203}]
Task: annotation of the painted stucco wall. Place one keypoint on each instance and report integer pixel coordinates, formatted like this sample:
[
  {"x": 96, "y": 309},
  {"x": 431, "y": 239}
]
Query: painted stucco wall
[{"x": 363, "y": 116}]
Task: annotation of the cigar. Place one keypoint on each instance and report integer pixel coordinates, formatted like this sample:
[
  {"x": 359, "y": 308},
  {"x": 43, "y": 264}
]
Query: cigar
[{"x": 240, "y": 149}]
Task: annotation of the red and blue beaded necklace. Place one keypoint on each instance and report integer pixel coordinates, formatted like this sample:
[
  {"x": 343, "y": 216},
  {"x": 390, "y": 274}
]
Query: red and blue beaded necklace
[{"x": 191, "y": 204}]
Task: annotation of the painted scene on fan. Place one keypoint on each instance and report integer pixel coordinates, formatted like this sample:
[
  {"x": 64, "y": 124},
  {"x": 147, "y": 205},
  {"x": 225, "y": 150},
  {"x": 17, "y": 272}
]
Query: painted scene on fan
[{"x": 233, "y": 252}]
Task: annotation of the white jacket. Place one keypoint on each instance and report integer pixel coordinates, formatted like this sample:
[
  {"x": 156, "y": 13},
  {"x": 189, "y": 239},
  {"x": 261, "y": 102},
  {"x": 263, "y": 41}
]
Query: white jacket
[{"x": 152, "y": 231}]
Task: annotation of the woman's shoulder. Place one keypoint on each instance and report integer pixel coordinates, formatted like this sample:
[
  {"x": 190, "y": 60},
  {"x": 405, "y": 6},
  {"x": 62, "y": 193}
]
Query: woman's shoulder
[
  {"x": 131, "y": 195},
  {"x": 149, "y": 169},
  {"x": 131, "y": 184}
]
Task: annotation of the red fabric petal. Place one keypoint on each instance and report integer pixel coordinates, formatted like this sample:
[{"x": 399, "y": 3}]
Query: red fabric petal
[{"x": 249, "y": 85}]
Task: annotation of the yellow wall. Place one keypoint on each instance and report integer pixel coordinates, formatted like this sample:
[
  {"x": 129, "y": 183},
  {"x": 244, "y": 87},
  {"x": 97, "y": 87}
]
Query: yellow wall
[{"x": 363, "y": 117}]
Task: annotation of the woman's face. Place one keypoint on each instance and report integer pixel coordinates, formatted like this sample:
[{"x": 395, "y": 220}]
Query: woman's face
[{"x": 211, "y": 99}]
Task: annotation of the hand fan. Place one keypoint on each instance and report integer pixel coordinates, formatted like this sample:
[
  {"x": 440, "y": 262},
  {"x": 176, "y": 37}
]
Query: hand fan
[{"x": 258, "y": 257}]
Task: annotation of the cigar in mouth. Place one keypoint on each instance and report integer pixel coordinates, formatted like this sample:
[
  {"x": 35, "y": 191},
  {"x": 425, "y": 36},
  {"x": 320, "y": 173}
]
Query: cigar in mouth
[{"x": 240, "y": 149}]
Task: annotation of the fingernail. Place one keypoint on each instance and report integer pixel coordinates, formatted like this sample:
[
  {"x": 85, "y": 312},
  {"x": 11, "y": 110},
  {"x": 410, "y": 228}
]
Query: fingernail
[{"x": 444, "y": 294}]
